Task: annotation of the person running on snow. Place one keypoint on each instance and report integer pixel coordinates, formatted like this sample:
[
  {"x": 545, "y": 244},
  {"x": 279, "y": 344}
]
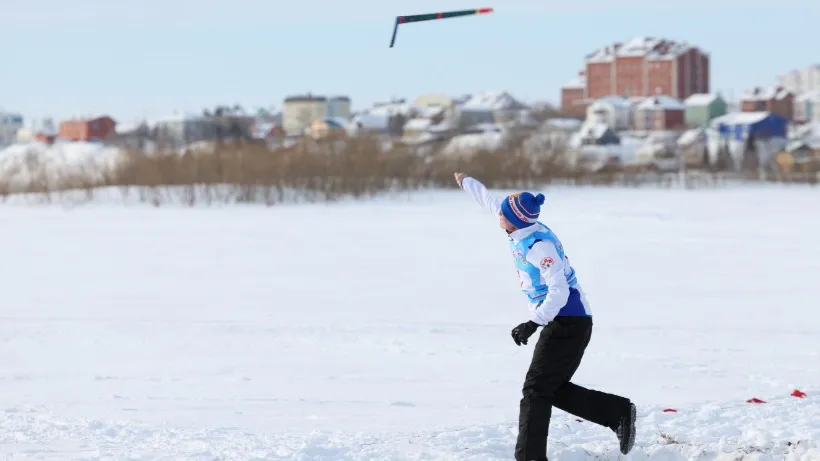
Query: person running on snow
[{"x": 557, "y": 302}]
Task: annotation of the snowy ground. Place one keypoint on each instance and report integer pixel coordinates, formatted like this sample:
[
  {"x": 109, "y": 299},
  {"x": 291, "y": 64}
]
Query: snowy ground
[{"x": 380, "y": 331}]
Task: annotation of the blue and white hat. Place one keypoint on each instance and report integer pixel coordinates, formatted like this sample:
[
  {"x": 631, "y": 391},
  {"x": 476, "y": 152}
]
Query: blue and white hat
[{"x": 522, "y": 210}]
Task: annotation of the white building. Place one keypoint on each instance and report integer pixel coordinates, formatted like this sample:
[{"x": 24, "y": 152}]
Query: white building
[
  {"x": 338, "y": 107},
  {"x": 612, "y": 111},
  {"x": 10, "y": 124},
  {"x": 801, "y": 81},
  {"x": 807, "y": 106}
]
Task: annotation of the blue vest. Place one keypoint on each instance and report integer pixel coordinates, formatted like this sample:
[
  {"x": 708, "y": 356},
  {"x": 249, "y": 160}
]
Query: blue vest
[{"x": 530, "y": 275}]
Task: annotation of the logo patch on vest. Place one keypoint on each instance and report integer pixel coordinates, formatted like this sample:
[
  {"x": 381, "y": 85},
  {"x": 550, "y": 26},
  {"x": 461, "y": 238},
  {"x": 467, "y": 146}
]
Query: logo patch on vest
[{"x": 547, "y": 262}]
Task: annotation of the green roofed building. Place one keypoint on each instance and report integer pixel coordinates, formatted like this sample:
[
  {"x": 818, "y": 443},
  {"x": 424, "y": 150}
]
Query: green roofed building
[{"x": 702, "y": 108}]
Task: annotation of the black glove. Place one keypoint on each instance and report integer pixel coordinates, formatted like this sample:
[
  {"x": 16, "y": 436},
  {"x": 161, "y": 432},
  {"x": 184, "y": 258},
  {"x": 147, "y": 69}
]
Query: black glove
[{"x": 522, "y": 333}]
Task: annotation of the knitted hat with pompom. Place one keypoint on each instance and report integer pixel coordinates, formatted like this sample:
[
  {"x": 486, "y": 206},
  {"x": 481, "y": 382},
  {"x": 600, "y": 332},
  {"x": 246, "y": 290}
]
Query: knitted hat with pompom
[{"x": 522, "y": 210}]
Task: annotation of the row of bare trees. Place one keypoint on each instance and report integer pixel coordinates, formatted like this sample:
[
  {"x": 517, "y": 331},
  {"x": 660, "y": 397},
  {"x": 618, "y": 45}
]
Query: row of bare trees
[{"x": 251, "y": 173}]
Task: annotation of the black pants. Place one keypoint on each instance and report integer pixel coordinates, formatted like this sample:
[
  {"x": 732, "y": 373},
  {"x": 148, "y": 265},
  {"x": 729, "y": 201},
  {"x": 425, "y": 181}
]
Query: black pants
[{"x": 556, "y": 357}]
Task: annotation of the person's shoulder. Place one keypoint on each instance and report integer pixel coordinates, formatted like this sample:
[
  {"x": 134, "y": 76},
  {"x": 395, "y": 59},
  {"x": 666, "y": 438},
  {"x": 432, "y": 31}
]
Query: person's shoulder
[
  {"x": 542, "y": 252},
  {"x": 542, "y": 234}
]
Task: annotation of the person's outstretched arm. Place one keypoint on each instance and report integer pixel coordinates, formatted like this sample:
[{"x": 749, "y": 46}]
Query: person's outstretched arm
[{"x": 479, "y": 193}]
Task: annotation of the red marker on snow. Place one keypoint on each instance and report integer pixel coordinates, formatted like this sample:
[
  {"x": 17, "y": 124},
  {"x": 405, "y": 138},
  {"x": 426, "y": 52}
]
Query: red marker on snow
[
  {"x": 670, "y": 410},
  {"x": 755, "y": 400},
  {"x": 799, "y": 394}
]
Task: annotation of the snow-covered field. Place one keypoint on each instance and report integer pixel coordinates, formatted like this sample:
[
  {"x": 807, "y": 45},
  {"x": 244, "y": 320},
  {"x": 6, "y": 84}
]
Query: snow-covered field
[{"x": 380, "y": 330}]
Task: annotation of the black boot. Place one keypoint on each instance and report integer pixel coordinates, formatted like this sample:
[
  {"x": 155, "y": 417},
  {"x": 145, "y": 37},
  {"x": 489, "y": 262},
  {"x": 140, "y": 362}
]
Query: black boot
[{"x": 626, "y": 429}]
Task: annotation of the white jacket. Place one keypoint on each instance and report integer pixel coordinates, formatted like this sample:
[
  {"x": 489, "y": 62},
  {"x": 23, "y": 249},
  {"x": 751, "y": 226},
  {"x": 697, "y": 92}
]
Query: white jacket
[{"x": 544, "y": 255}]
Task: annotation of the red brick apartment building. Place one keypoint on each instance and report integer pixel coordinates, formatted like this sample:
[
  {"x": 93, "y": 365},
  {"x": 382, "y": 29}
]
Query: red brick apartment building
[{"x": 641, "y": 67}]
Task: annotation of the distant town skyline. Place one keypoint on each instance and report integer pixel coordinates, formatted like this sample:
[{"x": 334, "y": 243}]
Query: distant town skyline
[{"x": 152, "y": 58}]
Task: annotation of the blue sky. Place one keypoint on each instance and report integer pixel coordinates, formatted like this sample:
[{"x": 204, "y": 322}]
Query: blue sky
[{"x": 151, "y": 57}]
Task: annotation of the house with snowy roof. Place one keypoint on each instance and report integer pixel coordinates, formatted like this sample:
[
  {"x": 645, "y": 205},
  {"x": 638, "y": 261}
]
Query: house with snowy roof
[
  {"x": 634, "y": 102},
  {"x": 384, "y": 118},
  {"x": 659, "y": 113},
  {"x": 776, "y": 100},
  {"x": 489, "y": 107},
  {"x": 702, "y": 108},
  {"x": 612, "y": 111},
  {"x": 594, "y": 134}
]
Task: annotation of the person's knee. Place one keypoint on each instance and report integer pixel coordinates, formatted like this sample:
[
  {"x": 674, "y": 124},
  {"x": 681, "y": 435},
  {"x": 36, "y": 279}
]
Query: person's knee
[{"x": 536, "y": 392}]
